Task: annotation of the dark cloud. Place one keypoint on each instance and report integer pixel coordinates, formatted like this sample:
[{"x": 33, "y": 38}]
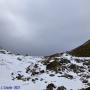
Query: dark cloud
[{"x": 43, "y": 27}]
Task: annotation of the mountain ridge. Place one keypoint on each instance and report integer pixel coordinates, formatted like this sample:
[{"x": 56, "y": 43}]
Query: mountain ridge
[{"x": 81, "y": 51}]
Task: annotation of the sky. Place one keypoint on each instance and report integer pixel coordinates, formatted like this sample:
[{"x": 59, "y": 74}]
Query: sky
[{"x": 43, "y": 27}]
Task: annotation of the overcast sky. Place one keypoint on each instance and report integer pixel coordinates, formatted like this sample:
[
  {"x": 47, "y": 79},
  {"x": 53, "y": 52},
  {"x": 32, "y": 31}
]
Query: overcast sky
[{"x": 42, "y": 27}]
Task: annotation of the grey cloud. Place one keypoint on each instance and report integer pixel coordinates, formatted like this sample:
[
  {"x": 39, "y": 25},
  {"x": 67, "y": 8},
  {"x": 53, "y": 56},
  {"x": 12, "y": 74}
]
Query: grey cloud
[{"x": 43, "y": 27}]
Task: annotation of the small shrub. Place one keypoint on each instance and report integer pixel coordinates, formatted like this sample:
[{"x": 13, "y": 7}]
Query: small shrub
[{"x": 55, "y": 65}]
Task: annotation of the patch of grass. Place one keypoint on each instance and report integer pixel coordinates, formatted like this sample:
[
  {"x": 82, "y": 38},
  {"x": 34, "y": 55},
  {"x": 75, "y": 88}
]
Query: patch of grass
[
  {"x": 82, "y": 51},
  {"x": 55, "y": 65},
  {"x": 45, "y": 62}
]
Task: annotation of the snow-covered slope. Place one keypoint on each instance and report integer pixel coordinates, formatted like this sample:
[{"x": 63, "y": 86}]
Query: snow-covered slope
[{"x": 38, "y": 73}]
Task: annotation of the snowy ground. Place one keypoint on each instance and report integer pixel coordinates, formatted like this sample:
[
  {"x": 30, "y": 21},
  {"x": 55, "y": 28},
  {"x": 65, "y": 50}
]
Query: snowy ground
[{"x": 17, "y": 64}]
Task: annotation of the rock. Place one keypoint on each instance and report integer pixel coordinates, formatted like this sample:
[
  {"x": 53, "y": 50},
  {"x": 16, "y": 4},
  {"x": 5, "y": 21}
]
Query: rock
[
  {"x": 28, "y": 69},
  {"x": 88, "y": 84},
  {"x": 81, "y": 70},
  {"x": 19, "y": 77},
  {"x": 42, "y": 71},
  {"x": 36, "y": 66},
  {"x": 45, "y": 81},
  {"x": 86, "y": 76},
  {"x": 33, "y": 80},
  {"x": 2, "y": 52},
  {"x": 26, "y": 55},
  {"x": 19, "y": 59},
  {"x": 61, "y": 88},
  {"x": 85, "y": 81},
  {"x": 77, "y": 60},
  {"x": 34, "y": 73},
  {"x": 60, "y": 72},
  {"x": 52, "y": 75},
  {"x": 59, "y": 76},
  {"x": 28, "y": 78},
  {"x": 50, "y": 86},
  {"x": 67, "y": 76},
  {"x": 41, "y": 79},
  {"x": 36, "y": 78},
  {"x": 89, "y": 70}
]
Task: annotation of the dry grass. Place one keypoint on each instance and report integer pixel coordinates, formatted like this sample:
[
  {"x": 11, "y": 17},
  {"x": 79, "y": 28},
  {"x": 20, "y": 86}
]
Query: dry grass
[{"x": 82, "y": 51}]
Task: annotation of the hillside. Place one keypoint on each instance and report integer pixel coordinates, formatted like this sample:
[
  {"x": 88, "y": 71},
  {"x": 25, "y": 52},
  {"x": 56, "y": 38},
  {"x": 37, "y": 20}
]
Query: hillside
[
  {"x": 63, "y": 72},
  {"x": 82, "y": 51}
]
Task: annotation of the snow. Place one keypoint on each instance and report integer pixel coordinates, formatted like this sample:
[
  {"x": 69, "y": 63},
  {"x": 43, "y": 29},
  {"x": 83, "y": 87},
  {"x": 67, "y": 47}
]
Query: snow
[
  {"x": 9, "y": 63},
  {"x": 68, "y": 56}
]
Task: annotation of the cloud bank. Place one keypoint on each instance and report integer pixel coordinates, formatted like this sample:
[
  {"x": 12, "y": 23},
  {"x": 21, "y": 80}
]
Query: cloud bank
[{"x": 42, "y": 27}]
